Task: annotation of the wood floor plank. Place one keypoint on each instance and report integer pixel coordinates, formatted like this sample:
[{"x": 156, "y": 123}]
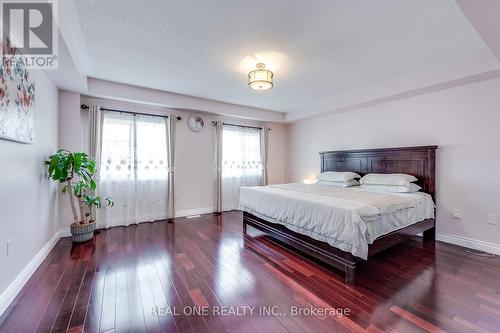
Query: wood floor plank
[{"x": 121, "y": 279}]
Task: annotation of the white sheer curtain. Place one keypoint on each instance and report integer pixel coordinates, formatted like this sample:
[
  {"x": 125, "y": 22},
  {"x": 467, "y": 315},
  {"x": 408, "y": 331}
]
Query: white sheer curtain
[
  {"x": 134, "y": 168},
  {"x": 241, "y": 162}
]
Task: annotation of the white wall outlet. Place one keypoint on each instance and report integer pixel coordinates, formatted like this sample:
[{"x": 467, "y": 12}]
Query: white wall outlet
[
  {"x": 9, "y": 249},
  {"x": 492, "y": 219},
  {"x": 456, "y": 213}
]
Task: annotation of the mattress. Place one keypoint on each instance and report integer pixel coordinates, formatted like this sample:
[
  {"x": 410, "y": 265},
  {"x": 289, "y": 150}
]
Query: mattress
[{"x": 346, "y": 218}]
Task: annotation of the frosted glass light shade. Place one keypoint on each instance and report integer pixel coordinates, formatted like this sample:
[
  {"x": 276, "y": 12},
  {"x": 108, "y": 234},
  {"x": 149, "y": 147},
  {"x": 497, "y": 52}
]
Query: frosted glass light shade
[{"x": 260, "y": 78}]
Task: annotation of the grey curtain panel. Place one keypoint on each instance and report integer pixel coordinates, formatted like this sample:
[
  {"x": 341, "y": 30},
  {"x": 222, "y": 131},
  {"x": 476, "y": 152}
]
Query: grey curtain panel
[
  {"x": 264, "y": 135},
  {"x": 171, "y": 123},
  {"x": 95, "y": 132},
  {"x": 95, "y": 141},
  {"x": 218, "y": 166}
]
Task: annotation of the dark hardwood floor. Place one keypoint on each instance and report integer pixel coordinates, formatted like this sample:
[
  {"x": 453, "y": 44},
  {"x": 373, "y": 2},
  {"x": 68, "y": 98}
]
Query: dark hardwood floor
[{"x": 118, "y": 281}]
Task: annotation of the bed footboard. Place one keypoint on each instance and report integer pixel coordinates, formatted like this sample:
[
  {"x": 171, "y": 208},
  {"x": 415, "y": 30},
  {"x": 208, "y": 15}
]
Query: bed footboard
[{"x": 325, "y": 253}]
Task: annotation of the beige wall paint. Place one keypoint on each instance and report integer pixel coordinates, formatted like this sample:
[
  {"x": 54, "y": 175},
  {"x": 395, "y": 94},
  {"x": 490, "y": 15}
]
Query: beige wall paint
[
  {"x": 194, "y": 154},
  {"x": 195, "y": 161},
  {"x": 463, "y": 121},
  {"x": 70, "y": 137},
  {"x": 29, "y": 211}
]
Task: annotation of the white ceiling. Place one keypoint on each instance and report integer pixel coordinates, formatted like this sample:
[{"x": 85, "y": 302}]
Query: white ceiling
[{"x": 320, "y": 50}]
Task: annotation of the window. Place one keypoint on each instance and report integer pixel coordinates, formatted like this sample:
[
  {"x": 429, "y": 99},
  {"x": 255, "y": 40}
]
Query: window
[
  {"x": 133, "y": 147},
  {"x": 240, "y": 152},
  {"x": 151, "y": 141},
  {"x": 241, "y": 162},
  {"x": 134, "y": 168}
]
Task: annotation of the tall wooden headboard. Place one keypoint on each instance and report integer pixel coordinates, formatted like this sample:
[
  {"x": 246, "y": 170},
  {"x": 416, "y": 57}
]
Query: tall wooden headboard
[{"x": 417, "y": 161}]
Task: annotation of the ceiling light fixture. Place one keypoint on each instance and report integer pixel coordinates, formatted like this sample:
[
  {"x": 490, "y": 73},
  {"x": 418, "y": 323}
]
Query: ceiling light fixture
[{"x": 260, "y": 78}]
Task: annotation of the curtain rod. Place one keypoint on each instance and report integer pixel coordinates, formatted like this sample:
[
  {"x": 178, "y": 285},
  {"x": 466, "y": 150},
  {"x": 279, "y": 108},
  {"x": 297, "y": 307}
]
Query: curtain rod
[
  {"x": 243, "y": 126},
  {"x": 85, "y": 107}
]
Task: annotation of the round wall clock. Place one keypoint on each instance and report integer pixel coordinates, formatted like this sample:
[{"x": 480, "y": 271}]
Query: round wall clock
[{"x": 195, "y": 123}]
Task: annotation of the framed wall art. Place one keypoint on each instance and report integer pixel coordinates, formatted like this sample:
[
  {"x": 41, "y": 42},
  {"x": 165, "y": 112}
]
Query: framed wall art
[{"x": 17, "y": 101}]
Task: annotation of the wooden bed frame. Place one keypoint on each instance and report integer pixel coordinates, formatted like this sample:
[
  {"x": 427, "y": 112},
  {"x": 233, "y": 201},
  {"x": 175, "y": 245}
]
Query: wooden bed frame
[{"x": 417, "y": 161}]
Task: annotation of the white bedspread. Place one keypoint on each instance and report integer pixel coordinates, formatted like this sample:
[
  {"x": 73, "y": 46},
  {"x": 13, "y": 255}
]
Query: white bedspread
[{"x": 346, "y": 218}]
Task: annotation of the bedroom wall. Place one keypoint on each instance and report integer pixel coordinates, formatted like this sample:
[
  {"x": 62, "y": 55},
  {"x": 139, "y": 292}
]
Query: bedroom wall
[
  {"x": 195, "y": 161},
  {"x": 28, "y": 200},
  {"x": 463, "y": 121},
  {"x": 70, "y": 137},
  {"x": 194, "y": 155}
]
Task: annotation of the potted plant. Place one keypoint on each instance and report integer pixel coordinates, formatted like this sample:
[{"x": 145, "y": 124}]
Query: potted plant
[
  {"x": 76, "y": 171},
  {"x": 84, "y": 192}
]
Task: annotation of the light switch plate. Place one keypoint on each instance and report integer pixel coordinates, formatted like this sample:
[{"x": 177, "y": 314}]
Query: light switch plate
[{"x": 492, "y": 219}]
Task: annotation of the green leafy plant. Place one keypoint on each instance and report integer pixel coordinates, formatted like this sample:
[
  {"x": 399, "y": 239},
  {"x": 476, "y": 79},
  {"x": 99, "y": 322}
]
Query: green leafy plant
[
  {"x": 96, "y": 201},
  {"x": 76, "y": 171}
]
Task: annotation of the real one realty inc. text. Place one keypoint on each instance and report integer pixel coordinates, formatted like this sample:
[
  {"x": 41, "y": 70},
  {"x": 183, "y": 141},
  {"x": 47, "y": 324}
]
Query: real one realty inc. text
[{"x": 249, "y": 310}]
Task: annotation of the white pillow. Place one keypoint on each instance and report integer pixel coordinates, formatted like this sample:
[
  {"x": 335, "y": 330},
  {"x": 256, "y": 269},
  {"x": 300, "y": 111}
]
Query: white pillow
[
  {"x": 347, "y": 183},
  {"x": 388, "y": 179},
  {"x": 392, "y": 188},
  {"x": 334, "y": 176}
]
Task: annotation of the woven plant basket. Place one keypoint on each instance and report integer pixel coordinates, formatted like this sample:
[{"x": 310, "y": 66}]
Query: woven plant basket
[{"x": 82, "y": 232}]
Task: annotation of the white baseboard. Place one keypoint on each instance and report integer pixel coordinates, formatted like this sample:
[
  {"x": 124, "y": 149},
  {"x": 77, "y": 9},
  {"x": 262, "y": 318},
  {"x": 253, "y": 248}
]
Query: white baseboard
[
  {"x": 469, "y": 243},
  {"x": 195, "y": 211},
  {"x": 15, "y": 287},
  {"x": 65, "y": 232},
  {"x": 199, "y": 211}
]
